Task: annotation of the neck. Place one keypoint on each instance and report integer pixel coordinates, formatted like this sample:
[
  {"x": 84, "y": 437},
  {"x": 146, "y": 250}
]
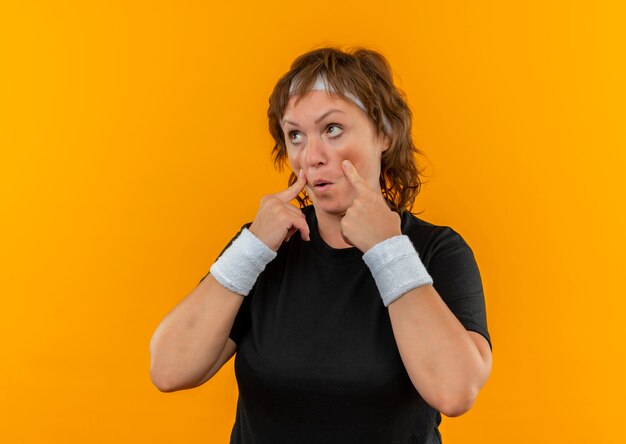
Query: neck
[{"x": 329, "y": 226}]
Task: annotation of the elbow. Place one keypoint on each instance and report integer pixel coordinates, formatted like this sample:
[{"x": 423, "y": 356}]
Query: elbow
[
  {"x": 167, "y": 380},
  {"x": 159, "y": 379},
  {"x": 169, "y": 384},
  {"x": 161, "y": 382},
  {"x": 459, "y": 404},
  {"x": 162, "y": 377},
  {"x": 163, "y": 387}
]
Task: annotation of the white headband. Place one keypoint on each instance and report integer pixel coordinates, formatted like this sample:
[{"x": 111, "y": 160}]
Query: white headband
[{"x": 320, "y": 85}]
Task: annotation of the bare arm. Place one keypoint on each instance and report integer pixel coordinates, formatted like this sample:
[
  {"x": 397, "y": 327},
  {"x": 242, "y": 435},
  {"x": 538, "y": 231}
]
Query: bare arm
[
  {"x": 446, "y": 363},
  {"x": 229, "y": 351},
  {"x": 191, "y": 339},
  {"x": 191, "y": 343}
]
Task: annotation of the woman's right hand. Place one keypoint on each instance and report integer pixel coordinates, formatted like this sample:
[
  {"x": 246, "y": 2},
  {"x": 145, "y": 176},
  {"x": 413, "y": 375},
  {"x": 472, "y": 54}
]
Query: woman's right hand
[{"x": 277, "y": 220}]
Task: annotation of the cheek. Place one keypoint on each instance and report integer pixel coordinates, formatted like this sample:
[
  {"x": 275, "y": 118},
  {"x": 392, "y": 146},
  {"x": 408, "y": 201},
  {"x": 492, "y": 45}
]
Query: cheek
[
  {"x": 348, "y": 151},
  {"x": 294, "y": 162},
  {"x": 354, "y": 153},
  {"x": 366, "y": 163}
]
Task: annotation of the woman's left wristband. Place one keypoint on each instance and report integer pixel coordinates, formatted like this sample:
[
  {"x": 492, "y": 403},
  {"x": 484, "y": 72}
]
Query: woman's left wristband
[{"x": 396, "y": 267}]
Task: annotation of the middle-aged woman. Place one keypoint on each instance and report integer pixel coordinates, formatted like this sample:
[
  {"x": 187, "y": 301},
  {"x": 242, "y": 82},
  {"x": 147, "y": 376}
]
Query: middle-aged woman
[{"x": 353, "y": 320}]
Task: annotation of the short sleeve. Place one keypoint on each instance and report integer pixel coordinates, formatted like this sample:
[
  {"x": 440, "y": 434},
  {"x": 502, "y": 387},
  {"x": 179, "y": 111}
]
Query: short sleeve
[
  {"x": 456, "y": 278},
  {"x": 242, "y": 320}
]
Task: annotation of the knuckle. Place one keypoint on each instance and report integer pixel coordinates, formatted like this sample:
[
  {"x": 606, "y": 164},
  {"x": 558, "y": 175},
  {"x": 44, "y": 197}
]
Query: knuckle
[
  {"x": 268, "y": 199},
  {"x": 284, "y": 217}
]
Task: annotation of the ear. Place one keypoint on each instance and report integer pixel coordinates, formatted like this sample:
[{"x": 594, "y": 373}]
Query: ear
[{"x": 385, "y": 142}]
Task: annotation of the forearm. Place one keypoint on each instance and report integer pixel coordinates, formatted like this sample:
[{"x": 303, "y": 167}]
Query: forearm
[
  {"x": 189, "y": 340},
  {"x": 441, "y": 359}
]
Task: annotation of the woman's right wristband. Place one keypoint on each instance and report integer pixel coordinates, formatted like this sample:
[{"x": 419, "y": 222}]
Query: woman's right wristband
[{"x": 239, "y": 266}]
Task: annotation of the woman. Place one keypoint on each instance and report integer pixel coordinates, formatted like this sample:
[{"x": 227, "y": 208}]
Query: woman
[{"x": 369, "y": 322}]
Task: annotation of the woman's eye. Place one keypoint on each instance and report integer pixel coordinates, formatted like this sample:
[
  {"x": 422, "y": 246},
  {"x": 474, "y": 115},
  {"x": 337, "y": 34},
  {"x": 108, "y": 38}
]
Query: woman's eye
[
  {"x": 293, "y": 135},
  {"x": 334, "y": 130}
]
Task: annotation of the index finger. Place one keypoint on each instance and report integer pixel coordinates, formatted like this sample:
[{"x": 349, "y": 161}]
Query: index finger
[
  {"x": 293, "y": 191},
  {"x": 353, "y": 175}
]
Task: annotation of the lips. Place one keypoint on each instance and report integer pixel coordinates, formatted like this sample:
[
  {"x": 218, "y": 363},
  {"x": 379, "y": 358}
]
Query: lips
[{"x": 317, "y": 183}]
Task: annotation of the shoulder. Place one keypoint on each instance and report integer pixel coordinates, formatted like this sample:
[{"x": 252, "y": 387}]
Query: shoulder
[
  {"x": 440, "y": 247},
  {"x": 427, "y": 236}
]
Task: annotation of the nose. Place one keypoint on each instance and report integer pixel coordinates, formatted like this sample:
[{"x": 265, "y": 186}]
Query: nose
[{"x": 315, "y": 152}]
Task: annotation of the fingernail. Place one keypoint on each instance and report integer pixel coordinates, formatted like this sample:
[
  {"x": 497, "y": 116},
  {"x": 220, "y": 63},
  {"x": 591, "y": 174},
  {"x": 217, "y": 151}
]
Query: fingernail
[{"x": 346, "y": 163}]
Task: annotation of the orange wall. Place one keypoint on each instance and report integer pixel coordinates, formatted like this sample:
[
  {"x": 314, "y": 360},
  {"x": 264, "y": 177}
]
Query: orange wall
[{"x": 134, "y": 144}]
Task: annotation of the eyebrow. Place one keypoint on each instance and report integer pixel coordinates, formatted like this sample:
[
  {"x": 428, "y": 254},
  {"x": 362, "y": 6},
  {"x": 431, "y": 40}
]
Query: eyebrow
[{"x": 318, "y": 119}]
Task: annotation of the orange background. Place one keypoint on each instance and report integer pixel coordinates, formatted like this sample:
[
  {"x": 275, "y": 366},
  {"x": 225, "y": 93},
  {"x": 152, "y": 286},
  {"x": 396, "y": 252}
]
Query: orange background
[{"x": 134, "y": 145}]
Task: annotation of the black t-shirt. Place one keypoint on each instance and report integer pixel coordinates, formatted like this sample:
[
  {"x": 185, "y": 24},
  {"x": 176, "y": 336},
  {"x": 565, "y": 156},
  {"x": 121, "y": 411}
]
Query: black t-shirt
[{"x": 316, "y": 359}]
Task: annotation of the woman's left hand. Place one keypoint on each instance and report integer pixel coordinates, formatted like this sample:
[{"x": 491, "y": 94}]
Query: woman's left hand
[{"x": 369, "y": 220}]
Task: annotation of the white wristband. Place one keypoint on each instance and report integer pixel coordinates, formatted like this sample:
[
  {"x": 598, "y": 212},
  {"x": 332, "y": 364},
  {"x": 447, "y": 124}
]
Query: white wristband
[
  {"x": 396, "y": 267},
  {"x": 240, "y": 264}
]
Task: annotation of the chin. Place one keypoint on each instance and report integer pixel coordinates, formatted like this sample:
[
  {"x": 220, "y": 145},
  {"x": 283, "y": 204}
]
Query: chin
[{"x": 328, "y": 206}]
